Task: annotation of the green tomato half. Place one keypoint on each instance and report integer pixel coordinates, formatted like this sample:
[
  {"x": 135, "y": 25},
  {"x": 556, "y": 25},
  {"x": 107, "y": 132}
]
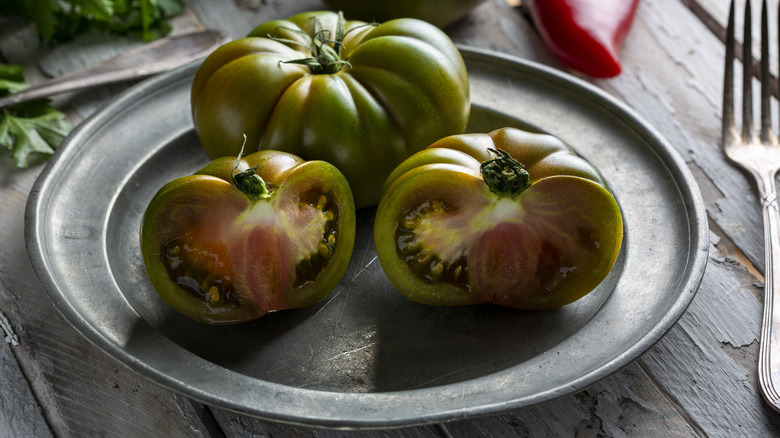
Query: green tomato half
[
  {"x": 511, "y": 217},
  {"x": 233, "y": 242},
  {"x": 364, "y": 105}
]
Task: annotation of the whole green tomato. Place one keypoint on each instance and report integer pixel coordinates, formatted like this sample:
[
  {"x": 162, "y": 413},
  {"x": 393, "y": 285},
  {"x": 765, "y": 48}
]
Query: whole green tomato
[
  {"x": 359, "y": 96},
  {"x": 464, "y": 222},
  {"x": 241, "y": 238},
  {"x": 440, "y": 13}
]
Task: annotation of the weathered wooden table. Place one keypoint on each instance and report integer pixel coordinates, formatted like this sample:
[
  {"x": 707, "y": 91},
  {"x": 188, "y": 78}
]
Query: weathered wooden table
[{"x": 700, "y": 379}]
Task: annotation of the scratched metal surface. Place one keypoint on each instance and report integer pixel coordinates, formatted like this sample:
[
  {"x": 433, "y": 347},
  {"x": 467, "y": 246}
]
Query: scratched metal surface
[{"x": 366, "y": 356}]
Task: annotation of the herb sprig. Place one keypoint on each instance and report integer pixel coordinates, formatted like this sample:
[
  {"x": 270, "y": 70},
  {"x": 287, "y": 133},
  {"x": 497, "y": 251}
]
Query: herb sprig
[
  {"x": 61, "y": 20},
  {"x": 28, "y": 128},
  {"x": 37, "y": 127}
]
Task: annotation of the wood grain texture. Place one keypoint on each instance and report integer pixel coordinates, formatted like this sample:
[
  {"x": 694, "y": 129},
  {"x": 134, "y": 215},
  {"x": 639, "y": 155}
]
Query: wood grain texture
[
  {"x": 627, "y": 404},
  {"x": 78, "y": 389},
  {"x": 708, "y": 360},
  {"x": 20, "y": 413},
  {"x": 81, "y": 391},
  {"x": 672, "y": 78}
]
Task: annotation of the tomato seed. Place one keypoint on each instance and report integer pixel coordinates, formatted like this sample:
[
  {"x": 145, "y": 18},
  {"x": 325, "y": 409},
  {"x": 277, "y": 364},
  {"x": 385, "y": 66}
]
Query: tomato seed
[
  {"x": 424, "y": 258},
  {"x": 213, "y": 294},
  {"x": 456, "y": 272},
  {"x": 321, "y": 202},
  {"x": 407, "y": 243},
  {"x": 312, "y": 264},
  {"x": 174, "y": 250},
  {"x": 194, "y": 271},
  {"x": 207, "y": 281},
  {"x": 323, "y": 250},
  {"x": 436, "y": 271},
  {"x": 423, "y": 263}
]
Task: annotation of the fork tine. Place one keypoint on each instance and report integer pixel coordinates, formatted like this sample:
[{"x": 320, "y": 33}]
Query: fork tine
[
  {"x": 747, "y": 76},
  {"x": 727, "y": 121},
  {"x": 766, "y": 124}
]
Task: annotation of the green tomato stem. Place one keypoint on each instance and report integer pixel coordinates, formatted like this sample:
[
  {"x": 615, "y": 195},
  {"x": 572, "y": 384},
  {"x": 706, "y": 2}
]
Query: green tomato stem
[
  {"x": 325, "y": 59},
  {"x": 505, "y": 176},
  {"x": 248, "y": 181}
]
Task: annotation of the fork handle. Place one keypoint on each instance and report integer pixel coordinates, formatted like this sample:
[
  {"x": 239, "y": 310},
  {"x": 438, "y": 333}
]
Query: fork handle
[{"x": 769, "y": 349}]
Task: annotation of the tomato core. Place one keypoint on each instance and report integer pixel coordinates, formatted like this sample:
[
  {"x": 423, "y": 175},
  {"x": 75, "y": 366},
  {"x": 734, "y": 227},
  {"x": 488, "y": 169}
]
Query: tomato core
[{"x": 504, "y": 175}]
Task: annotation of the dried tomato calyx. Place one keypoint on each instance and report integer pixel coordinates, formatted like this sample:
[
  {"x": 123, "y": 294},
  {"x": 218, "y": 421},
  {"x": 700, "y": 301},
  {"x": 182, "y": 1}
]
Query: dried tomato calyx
[
  {"x": 504, "y": 175},
  {"x": 248, "y": 181},
  {"x": 251, "y": 184},
  {"x": 325, "y": 51}
]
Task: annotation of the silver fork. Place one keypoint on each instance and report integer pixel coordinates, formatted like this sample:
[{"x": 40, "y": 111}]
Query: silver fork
[{"x": 760, "y": 156}]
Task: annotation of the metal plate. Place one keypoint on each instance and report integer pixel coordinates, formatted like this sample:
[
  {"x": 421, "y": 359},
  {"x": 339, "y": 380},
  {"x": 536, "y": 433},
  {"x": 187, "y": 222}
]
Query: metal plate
[{"x": 366, "y": 356}]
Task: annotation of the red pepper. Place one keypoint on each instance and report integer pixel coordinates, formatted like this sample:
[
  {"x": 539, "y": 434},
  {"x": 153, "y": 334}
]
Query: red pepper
[{"x": 585, "y": 34}]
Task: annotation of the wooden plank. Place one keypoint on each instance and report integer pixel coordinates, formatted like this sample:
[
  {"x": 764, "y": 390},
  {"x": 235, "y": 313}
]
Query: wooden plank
[
  {"x": 708, "y": 360},
  {"x": 81, "y": 391},
  {"x": 678, "y": 388},
  {"x": 236, "y": 425},
  {"x": 627, "y": 404},
  {"x": 237, "y": 19},
  {"x": 20, "y": 414}
]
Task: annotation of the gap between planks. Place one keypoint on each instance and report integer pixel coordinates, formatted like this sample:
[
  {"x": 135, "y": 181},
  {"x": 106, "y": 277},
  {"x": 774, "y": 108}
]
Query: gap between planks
[
  {"x": 672, "y": 401},
  {"x": 719, "y": 30},
  {"x": 732, "y": 250}
]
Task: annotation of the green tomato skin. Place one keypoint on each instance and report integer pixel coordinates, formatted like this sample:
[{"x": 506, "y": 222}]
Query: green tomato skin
[
  {"x": 548, "y": 247},
  {"x": 405, "y": 87},
  {"x": 440, "y": 13},
  {"x": 256, "y": 245}
]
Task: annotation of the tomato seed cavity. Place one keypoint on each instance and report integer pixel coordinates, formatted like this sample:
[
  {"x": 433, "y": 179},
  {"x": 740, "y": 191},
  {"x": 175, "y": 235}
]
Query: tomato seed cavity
[
  {"x": 422, "y": 262},
  {"x": 194, "y": 271},
  {"x": 308, "y": 269}
]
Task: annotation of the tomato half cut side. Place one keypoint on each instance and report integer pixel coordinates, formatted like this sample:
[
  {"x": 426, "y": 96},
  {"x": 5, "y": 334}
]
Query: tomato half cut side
[
  {"x": 219, "y": 252},
  {"x": 459, "y": 232}
]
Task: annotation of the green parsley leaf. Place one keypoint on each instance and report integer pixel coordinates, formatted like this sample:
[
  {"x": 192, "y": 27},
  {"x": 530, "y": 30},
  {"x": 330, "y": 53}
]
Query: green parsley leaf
[
  {"x": 40, "y": 134},
  {"x": 29, "y": 128},
  {"x": 36, "y": 127},
  {"x": 11, "y": 79},
  {"x": 11, "y": 86},
  {"x": 61, "y": 20},
  {"x": 101, "y": 10},
  {"x": 11, "y": 72}
]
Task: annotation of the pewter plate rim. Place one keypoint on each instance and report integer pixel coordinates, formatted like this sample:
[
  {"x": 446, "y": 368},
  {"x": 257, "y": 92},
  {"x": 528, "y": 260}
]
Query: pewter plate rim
[{"x": 160, "y": 360}]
